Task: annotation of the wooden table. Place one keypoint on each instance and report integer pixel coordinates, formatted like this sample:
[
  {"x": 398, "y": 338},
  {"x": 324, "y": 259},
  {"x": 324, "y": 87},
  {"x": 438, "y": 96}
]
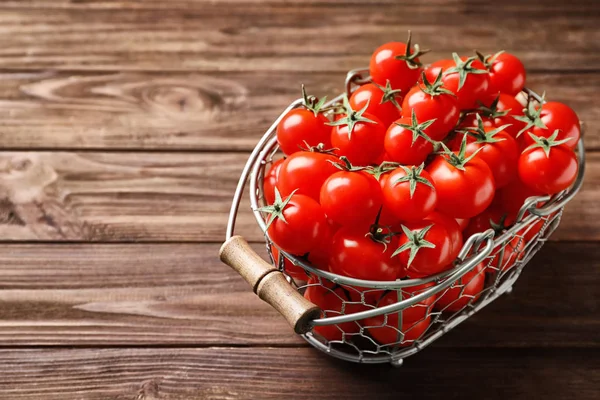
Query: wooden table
[{"x": 124, "y": 126}]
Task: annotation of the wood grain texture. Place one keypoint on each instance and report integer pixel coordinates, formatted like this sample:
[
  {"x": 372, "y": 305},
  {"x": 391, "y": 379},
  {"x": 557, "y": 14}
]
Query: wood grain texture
[
  {"x": 319, "y": 36},
  {"x": 191, "y": 111},
  {"x": 116, "y": 197},
  {"x": 168, "y": 294},
  {"x": 266, "y": 373}
]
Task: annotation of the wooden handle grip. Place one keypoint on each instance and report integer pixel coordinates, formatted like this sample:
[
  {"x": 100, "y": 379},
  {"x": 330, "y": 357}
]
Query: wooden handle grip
[{"x": 269, "y": 284}]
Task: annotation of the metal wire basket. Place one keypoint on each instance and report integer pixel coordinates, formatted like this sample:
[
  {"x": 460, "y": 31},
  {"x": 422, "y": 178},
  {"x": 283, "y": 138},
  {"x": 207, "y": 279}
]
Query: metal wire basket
[{"x": 362, "y": 331}]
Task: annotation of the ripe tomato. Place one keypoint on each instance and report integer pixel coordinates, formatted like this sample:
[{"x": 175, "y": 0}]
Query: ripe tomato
[
  {"x": 406, "y": 142},
  {"x": 505, "y": 260},
  {"x": 464, "y": 291},
  {"x": 499, "y": 150},
  {"x": 554, "y": 116},
  {"x": 289, "y": 268},
  {"x": 331, "y": 298},
  {"x": 357, "y": 255},
  {"x": 432, "y": 102},
  {"x": 548, "y": 166},
  {"x": 304, "y": 126},
  {"x": 453, "y": 229},
  {"x": 469, "y": 80},
  {"x": 502, "y": 111},
  {"x": 424, "y": 248},
  {"x": 382, "y": 102},
  {"x": 409, "y": 193},
  {"x": 463, "y": 223},
  {"x": 511, "y": 198},
  {"x": 305, "y": 172},
  {"x": 270, "y": 180},
  {"x": 413, "y": 313},
  {"x": 386, "y": 217},
  {"x": 397, "y": 63},
  {"x": 507, "y": 73},
  {"x": 351, "y": 198},
  {"x": 465, "y": 185},
  {"x": 433, "y": 70},
  {"x": 388, "y": 334},
  {"x": 358, "y": 136},
  {"x": 297, "y": 224},
  {"x": 494, "y": 217}
]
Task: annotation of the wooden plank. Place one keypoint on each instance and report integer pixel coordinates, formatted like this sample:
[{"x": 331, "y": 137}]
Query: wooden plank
[
  {"x": 289, "y": 36},
  {"x": 190, "y": 111},
  {"x": 90, "y": 295},
  {"x": 266, "y": 373},
  {"x": 116, "y": 197}
]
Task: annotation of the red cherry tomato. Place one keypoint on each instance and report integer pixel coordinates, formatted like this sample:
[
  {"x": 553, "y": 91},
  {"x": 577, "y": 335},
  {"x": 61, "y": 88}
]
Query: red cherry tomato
[
  {"x": 270, "y": 180},
  {"x": 494, "y": 217},
  {"x": 305, "y": 172},
  {"x": 409, "y": 193},
  {"x": 300, "y": 127},
  {"x": 332, "y": 299},
  {"x": 511, "y": 198},
  {"x": 364, "y": 145},
  {"x": 289, "y": 268},
  {"x": 507, "y": 73},
  {"x": 475, "y": 86},
  {"x": 505, "y": 260},
  {"x": 424, "y": 248},
  {"x": 464, "y": 291},
  {"x": 389, "y": 334},
  {"x": 548, "y": 169},
  {"x": 555, "y": 115},
  {"x": 397, "y": 63},
  {"x": 502, "y": 111},
  {"x": 351, "y": 198},
  {"x": 297, "y": 225},
  {"x": 357, "y": 255},
  {"x": 431, "y": 102},
  {"x": 401, "y": 147},
  {"x": 433, "y": 70},
  {"x": 462, "y": 193},
  {"x": 456, "y": 235},
  {"x": 462, "y": 223},
  {"x": 383, "y": 103},
  {"x": 387, "y": 217}
]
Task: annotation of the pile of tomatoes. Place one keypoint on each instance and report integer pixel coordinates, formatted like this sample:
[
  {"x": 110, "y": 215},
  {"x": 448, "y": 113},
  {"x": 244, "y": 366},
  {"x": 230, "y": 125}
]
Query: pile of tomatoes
[{"x": 388, "y": 184}]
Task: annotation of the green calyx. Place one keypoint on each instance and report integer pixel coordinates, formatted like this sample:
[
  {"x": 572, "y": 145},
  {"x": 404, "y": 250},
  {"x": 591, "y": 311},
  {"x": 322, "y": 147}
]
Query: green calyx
[
  {"x": 436, "y": 88},
  {"x": 463, "y": 69},
  {"x": 547, "y": 143},
  {"x": 418, "y": 130},
  {"x": 380, "y": 234},
  {"x": 411, "y": 58},
  {"x": 312, "y": 103},
  {"x": 382, "y": 168},
  {"x": 532, "y": 117},
  {"x": 413, "y": 177},
  {"x": 389, "y": 94},
  {"x": 492, "y": 110},
  {"x": 276, "y": 209},
  {"x": 460, "y": 160},
  {"x": 352, "y": 117},
  {"x": 499, "y": 226},
  {"x": 480, "y": 134},
  {"x": 416, "y": 241},
  {"x": 320, "y": 148},
  {"x": 488, "y": 60},
  {"x": 346, "y": 165}
]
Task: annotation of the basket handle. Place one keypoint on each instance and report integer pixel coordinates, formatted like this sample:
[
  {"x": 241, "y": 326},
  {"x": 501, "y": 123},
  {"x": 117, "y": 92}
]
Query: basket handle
[{"x": 269, "y": 284}]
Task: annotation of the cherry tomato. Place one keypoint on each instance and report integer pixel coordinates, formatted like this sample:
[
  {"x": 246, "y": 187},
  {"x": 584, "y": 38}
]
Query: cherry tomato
[
  {"x": 465, "y": 187},
  {"x": 453, "y": 229},
  {"x": 548, "y": 166},
  {"x": 433, "y": 70},
  {"x": 462, "y": 223},
  {"x": 357, "y": 255},
  {"x": 319, "y": 256},
  {"x": 301, "y": 127},
  {"x": 431, "y": 101},
  {"x": 388, "y": 334},
  {"x": 503, "y": 261},
  {"x": 270, "y": 180},
  {"x": 473, "y": 87},
  {"x": 464, "y": 291},
  {"x": 358, "y": 136},
  {"x": 387, "y": 217},
  {"x": 424, "y": 248},
  {"x": 507, "y": 73},
  {"x": 397, "y": 63},
  {"x": 297, "y": 224},
  {"x": 351, "y": 198},
  {"x": 409, "y": 193},
  {"x": 511, "y": 198},
  {"x": 305, "y": 172},
  {"x": 289, "y": 268},
  {"x": 494, "y": 217},
  {"x": 407, "y": 143},
  {"x": 382, "y": 102},
  {"x": 332, "y": 299},
  {"x": 502, "y": 111},
  {"x": 554, "y": 115}
]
